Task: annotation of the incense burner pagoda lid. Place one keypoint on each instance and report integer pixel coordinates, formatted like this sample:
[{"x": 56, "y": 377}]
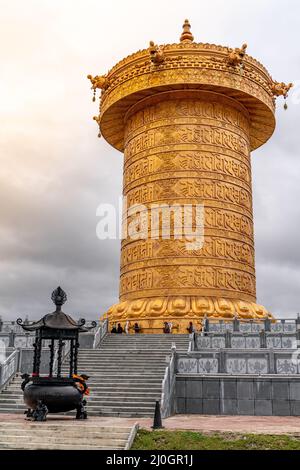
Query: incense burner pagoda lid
[{"x": 57, "y": 320}]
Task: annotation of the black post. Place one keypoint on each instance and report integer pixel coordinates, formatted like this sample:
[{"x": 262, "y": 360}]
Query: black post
[
  {"x": 297, "y": 321},
  {"x": 38, "y": 353},
  {"x": 157, "y": 424},
  {"x": 195, "y": 341},
  {"x": 59, "y": 356},
  {"x": 228, "y": 339},
  {"x": 12, "y": 336},
  {"x": 35, "y": 346},
  {"x": 51, "y": 346},
  {"x": 263, "y": 339},
  {"x": 267, "y": 324},
  {"x": 71, "y": 357},
  {"x": 236, "y": 324},
  {"x": 76, "y": 353}
]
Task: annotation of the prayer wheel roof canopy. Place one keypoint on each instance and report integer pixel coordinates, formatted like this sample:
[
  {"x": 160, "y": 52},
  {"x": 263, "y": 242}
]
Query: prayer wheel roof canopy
[{"x": 187, "y": 66}]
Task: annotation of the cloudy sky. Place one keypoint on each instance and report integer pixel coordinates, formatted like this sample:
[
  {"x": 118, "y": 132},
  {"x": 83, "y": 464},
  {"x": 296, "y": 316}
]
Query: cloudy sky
[{"x": 54, "y": 171}]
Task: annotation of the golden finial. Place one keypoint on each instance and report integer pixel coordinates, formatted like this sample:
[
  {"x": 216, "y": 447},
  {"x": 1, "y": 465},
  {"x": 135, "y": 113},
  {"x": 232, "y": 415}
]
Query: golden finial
[{"x": 186, "y": 35}]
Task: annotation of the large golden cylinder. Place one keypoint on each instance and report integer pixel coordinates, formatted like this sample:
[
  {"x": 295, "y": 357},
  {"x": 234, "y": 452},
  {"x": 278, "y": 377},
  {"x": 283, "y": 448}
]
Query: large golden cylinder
[
  {"x": 186, "y": 124},
  {"x": 186, "y": 149}
]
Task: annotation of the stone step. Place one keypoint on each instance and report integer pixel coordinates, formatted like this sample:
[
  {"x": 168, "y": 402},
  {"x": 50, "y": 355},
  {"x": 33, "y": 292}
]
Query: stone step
[
  {"x": 128, "y": 408},
  {"x": 119, "y": 364},
  {"x": 135, "y": 355},
  {"x": 146, "y": 347},
  {"x": 129, "y": 413},
  {"x": 145, "y": 392},
  {"x": 95, "y": 400},
  {"x": 143, "y": 342},
  {"x": 126, "y": 350},
  {"x": 140, "y": 379},
  {"x": 145, "y": 339},
  {"x": 157, "y": 336},
  {"x": 118, "y": 367},
  {"x": 115, "y": 361},
  {"x": 97, "y": 412},
  {"x": 43, "y": 446},
  {"x": 108, "y": 389},
  {"x": 53, "y": 426},
  {"x": 121, "y": 414},
  {"x": 99, "y": 379},
  {"x": 124, "y": 358},
  {"x": 90, "y": 439},
  {"x": 115, "y": 372},
  {"x": 142, "y": 346},
  {"x": 133, "y": 376},
  {"x": 115, "y": 349},
  {"x": 103, "y": 391},
  {"x": 5, "y": 401},
  {"x": 127, "y": 389},
  {"x": 130, "y": 349},
  {"x": 113, "y": 386}
]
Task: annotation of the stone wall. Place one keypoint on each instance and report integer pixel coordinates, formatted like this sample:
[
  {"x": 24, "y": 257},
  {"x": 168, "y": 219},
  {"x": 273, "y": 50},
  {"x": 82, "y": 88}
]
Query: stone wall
[{"x": 229, "y": 395}]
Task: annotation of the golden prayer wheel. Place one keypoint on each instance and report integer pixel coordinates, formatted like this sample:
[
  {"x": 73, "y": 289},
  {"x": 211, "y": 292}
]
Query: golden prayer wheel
[{"x": 186, "y": 116}]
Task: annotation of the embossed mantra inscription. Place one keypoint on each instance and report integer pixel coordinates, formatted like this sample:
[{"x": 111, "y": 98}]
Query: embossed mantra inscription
[{"x": 190, "y": 150}]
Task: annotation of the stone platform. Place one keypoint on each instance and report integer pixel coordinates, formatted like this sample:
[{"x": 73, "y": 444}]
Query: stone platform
[
  {"x": 280, "y": 425},
  {"x": 62, "y": 433}
]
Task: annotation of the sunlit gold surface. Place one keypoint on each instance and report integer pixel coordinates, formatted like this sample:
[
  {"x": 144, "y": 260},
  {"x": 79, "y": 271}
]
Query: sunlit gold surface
[{"x": 186, "y": 125}]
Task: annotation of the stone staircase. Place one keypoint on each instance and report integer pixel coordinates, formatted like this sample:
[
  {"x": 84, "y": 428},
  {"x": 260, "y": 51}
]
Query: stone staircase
[
  {"x": 126, "y": 375},
  {"x": 25, "y": 435}
]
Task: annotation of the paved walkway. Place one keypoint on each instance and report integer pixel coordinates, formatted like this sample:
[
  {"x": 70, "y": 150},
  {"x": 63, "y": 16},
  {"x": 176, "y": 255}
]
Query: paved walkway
[{"x": 240, "y": 424}]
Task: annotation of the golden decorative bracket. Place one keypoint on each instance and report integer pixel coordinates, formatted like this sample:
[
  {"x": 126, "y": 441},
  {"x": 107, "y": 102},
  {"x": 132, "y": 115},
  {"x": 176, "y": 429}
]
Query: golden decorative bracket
[
  {"x": 236, "y": 56},
  {"x": 98, "y": 81},
  {"x": 281, "y": 89},
  {"x": 156, "y": 54}
]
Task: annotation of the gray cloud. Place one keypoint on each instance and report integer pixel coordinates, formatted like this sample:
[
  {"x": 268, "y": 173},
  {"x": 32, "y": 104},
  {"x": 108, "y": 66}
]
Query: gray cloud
[{"x": 54, "y": 171}]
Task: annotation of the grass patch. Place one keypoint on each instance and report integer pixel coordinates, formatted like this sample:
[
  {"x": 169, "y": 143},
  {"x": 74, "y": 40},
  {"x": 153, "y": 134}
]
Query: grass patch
[{"x": 192, "y": 440}]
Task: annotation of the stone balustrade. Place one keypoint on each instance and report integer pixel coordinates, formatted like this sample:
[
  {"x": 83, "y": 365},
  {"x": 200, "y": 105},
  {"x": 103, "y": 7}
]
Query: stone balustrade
[
  {"x": 231, "y": 340},
  {"x": 239, "y": 362}
]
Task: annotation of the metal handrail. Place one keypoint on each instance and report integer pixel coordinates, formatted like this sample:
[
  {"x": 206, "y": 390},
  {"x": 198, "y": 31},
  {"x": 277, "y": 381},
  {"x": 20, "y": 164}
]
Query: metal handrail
[
  {"x": 168, "y": 385},
  {"x": 8, "y": 369},
  {"x": 100, "y": 333},
  {"x": 66, "y": 351},
  {"x": 191, "y": 342}
]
